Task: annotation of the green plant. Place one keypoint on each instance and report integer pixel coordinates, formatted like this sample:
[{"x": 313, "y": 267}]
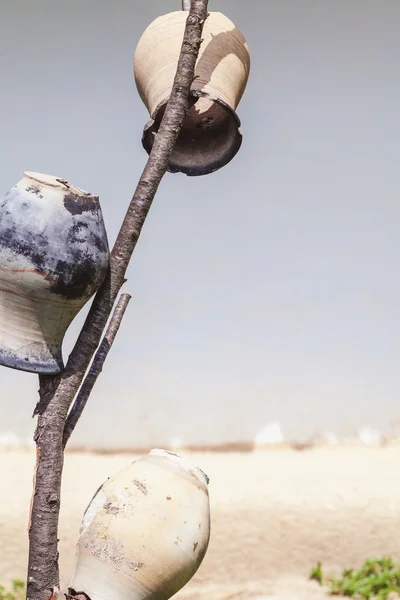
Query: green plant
[
  {"x": 378, "y": 579},
  {"x": 17, "y": 591},
  {"x": 316, "y": 573}
]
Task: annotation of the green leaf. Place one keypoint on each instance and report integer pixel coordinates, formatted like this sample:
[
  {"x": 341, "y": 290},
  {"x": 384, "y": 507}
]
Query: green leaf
[
  {"x": 316, "y": 573},
  {"x": 375, "y": 580}
]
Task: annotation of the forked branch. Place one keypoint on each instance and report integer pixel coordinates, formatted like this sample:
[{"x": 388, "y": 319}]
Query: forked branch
[
  {"x": 96, "y": 367},
  {"x": 58, "y": 393}
]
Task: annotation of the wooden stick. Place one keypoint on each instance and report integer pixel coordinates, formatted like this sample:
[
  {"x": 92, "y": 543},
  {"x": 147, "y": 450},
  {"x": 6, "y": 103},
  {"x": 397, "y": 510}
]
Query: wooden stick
[
  {"x": 57, "y": 393},
  {"x": 96, "y": 367}
]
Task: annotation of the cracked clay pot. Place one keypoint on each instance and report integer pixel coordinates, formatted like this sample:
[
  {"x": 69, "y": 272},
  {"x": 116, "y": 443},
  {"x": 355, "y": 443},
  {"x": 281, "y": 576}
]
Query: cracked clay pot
[
  {"x": 145, "y": 532},
  {"x": 210, "y": 135},
  {"x": 53, "y": 257}
]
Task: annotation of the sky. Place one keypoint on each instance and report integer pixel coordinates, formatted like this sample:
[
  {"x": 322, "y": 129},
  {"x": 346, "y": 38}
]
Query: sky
[{"x": 265, "y": 292}]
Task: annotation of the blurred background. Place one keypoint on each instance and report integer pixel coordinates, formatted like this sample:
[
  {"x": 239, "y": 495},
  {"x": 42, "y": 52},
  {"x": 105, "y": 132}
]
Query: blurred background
[{"x": 264, "y": 296}]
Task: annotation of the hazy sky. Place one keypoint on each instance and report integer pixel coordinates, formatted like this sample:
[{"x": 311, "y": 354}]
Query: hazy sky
[{"x": 268, "y": 291}]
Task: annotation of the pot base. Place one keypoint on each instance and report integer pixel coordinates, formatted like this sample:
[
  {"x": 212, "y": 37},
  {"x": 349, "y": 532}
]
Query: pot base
[
  {"x": 30, "y": 338},
  {"x": 30, "y": 335},
  {"x": 208, "y": 140},
  {"x": 35, "y": 359}
]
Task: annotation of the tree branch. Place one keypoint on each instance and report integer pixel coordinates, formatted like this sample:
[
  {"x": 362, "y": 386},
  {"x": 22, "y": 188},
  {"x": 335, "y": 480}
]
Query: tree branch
[
  {"x": 57, "y": 393},
  {"x": 96, "y": 367}
]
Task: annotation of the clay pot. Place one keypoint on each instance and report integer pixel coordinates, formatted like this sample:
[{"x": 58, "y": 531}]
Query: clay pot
[
  {"x": 210, "y": 135},
  {"x": 53, "y": 257},
  {"x": 145, "y": 532}
]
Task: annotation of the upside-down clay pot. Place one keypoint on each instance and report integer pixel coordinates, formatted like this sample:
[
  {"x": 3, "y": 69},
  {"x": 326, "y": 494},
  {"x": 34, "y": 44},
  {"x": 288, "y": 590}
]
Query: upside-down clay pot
[
  {"x": 53, "y": 257},
  {"x": 210, "y": 135},
  {"x": 145, "y": 532}
]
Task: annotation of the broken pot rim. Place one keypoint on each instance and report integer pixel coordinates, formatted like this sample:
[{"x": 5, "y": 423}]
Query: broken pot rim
[
  {"x": 59, "y": 183},
  {"x": 217, "y": 164}
]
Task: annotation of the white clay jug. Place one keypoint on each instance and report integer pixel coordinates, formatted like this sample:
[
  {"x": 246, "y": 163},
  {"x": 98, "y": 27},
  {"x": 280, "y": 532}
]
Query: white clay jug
[
  {"x": 210, "y": 135},
  {"x": 145, "y": 532},
  {"x": 53, "y": 257}
]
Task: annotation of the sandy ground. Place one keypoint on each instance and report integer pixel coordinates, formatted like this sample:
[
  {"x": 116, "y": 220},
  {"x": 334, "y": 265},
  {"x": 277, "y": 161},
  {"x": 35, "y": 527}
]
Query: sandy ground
[{"x": 274, "y": 514}]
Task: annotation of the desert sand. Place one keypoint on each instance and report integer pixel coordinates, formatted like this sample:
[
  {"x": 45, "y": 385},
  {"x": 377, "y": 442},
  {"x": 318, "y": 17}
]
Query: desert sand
[{"x": 275, "y": 513}]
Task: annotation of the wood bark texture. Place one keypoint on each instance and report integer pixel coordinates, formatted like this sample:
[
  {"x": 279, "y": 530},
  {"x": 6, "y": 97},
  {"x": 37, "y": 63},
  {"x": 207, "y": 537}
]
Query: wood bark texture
[{"x": 96, "y": 367}]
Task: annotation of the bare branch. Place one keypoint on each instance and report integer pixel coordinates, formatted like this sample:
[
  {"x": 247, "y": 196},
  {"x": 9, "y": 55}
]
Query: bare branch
[
  {"x": 96, "y": 367},
  {"x": 58, "y": 392}
]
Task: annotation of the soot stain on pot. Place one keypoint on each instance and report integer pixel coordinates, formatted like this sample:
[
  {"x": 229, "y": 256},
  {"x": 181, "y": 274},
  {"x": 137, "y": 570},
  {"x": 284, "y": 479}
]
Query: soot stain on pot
[
  {"x": 74, "y": 269},
  {"x": 77, "y": 228},
  {"x": 79, "y": 225},
  {"x": 141, "y": 486},
  {"x": 79, "y": 274},
  {"x": 34, "y": 190},
  {"x": 111, "y": 509},
  {"x": 32, "y": 247},
  {"x": 100, "y": 243},
  {"x": 75, "y": 279},
  {"x": 77, "y": 205},
  {"x": 74, "y": 232}
]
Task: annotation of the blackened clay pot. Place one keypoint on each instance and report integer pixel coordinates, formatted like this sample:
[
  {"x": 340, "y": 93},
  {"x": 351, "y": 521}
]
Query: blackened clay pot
[
  {"x": 210, "y": 135},
  {"x": 53, "y": 257},
  {"x": 145, "y": 532}
]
